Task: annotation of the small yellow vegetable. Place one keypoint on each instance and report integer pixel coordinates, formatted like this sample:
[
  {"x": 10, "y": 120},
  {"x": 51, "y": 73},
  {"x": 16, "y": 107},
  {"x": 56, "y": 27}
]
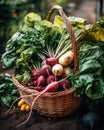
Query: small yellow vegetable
[
  {"x": 21, "y": 102},
  {"x": 27, "y": 108},
  {"x": 23, "y": 107}
]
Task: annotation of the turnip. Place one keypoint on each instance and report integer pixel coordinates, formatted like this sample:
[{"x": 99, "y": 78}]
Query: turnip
[
  {"x": 57, "y": 70},
  {"x": 64, "y": 84},
  {"x": 67, "y": 71},
  {"x": 51, "y": 79},
  {"x": 51, "y": 61},
  {"x": 66, "y": 58},
  {"x": 46, "y": 70}
]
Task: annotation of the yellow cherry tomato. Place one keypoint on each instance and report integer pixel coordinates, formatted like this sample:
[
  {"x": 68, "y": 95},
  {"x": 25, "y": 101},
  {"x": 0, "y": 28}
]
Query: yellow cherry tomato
[
  {"x": 21, "y": 102},
  {"x": 27, "y": 108},
  {"x": 23, "y": 107}
]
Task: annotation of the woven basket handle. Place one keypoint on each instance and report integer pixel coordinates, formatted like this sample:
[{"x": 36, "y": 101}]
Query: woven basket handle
[{"x": 70, "y": 31}]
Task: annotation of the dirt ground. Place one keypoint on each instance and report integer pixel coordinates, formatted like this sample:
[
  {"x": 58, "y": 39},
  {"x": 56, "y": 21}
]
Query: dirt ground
[{"x": 10, "y": 120}]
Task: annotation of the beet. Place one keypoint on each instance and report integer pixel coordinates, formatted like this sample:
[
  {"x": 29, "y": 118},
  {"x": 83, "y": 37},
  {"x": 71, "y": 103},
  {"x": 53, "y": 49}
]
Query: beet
[
  {"x": 36, "y": 74},
  {"x": 51, "y": 61},
  {"x": 51, "y": 79},
  {"x": 35, "y": 83},
  {"x": 39, "y": 88},
  {"x": 64, "y": 84},
  {"x": 41, "y": 80},
  {"x": 46, "y": 70}
]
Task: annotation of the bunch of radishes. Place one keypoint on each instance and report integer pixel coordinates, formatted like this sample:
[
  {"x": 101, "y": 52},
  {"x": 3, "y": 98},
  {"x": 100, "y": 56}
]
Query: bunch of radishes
[{"x": 53, "y": 72}]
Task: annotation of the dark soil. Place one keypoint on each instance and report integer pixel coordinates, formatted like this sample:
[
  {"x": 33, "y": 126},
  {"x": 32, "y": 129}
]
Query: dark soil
[{"x": 10, "y": 120}]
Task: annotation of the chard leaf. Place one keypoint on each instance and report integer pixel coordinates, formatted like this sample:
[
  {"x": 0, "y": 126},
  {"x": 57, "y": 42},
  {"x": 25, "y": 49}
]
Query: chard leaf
[
  {"x": 90, "y": 66},
  {"x": 96, "y": 91}
]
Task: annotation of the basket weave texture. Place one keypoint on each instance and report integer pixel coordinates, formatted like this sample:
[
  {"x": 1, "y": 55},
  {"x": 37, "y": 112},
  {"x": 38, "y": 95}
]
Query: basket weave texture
[{"x": 54, "y": 104}]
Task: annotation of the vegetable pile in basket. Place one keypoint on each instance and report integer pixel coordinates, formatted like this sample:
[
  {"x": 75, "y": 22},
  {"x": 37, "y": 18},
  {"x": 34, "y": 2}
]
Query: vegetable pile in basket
[{"x": 42, "y": 55}]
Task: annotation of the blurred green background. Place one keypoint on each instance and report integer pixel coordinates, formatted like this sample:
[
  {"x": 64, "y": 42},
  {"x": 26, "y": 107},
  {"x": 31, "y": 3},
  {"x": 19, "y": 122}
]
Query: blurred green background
[{"x": 12, "y": 13}]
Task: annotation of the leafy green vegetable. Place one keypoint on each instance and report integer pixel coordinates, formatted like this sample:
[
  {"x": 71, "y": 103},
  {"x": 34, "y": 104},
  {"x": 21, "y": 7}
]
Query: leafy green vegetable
[
  {"x": 89, "y": 80},
  {"x": 8, "y": 91},
  {"x": 34, "y": 34}
]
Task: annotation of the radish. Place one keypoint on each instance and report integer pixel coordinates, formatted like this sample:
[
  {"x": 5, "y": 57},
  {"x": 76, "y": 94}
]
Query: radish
[
  {"x": 46, "y": 70},
  {"x": 51, "y": 61},
  {"x": 33, "y": 70},
  {"x": 41, "y": 80},
  {"x": 49, "y": 88},
  {"x": 36, "y": 74},
  {"x": 35, "y": 83},
  {"x": 64, "y": 84},
  {"x": 57, "y": 70},
  {"x": 39, "y": 88},
  {"x": 66, "y": 58},
  {"x": 51, "y": 79}
]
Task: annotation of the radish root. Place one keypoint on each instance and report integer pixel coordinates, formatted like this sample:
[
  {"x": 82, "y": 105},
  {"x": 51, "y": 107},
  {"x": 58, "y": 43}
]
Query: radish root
[{"x": 33, "y": 102}]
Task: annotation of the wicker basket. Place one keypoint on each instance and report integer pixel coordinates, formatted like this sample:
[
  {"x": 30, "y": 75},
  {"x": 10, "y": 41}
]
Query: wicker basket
[{"x": 54, "y": 104}]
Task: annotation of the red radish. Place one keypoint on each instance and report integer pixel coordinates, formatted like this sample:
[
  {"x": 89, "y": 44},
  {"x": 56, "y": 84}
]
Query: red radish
[
  {"x": 33, "y": 70},
  {"x": 46, "y": 70},
  {"x": 51, "y": 79},
  {"x": 35, "y": 83},
  {"x": 51, "y": 61},
  {"x": 64, "y": 84},
  {"x": 49, "y": 88},
  {"x": 36, "y": 74},
  {"x": 41, "y": 80},
  {"x": 39, "y": 88}
]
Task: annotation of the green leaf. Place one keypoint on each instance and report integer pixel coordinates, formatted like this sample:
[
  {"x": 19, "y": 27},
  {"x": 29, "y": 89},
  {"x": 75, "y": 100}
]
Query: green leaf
[{"x": 96, "y": 91}]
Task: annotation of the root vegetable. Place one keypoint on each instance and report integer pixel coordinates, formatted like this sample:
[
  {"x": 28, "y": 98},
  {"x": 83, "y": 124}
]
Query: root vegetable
[
  {"x": 49, "y": 88},
  {"x": 51, "y": 79},
  {"x": 57, "y": 70},
  {"x": 41, "y": 80},
  {"x": 66, "y": 58},
  {"x": 35, "y": 83},
  {"x": 36, "y": 74},
  {"x": 46, "y": 70},
  {"x": 64, "y": 84},
  {"x": 51, "y": 61},
  {"x": 39, "y": 88},
  {"x": 67, "y": 71}
]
